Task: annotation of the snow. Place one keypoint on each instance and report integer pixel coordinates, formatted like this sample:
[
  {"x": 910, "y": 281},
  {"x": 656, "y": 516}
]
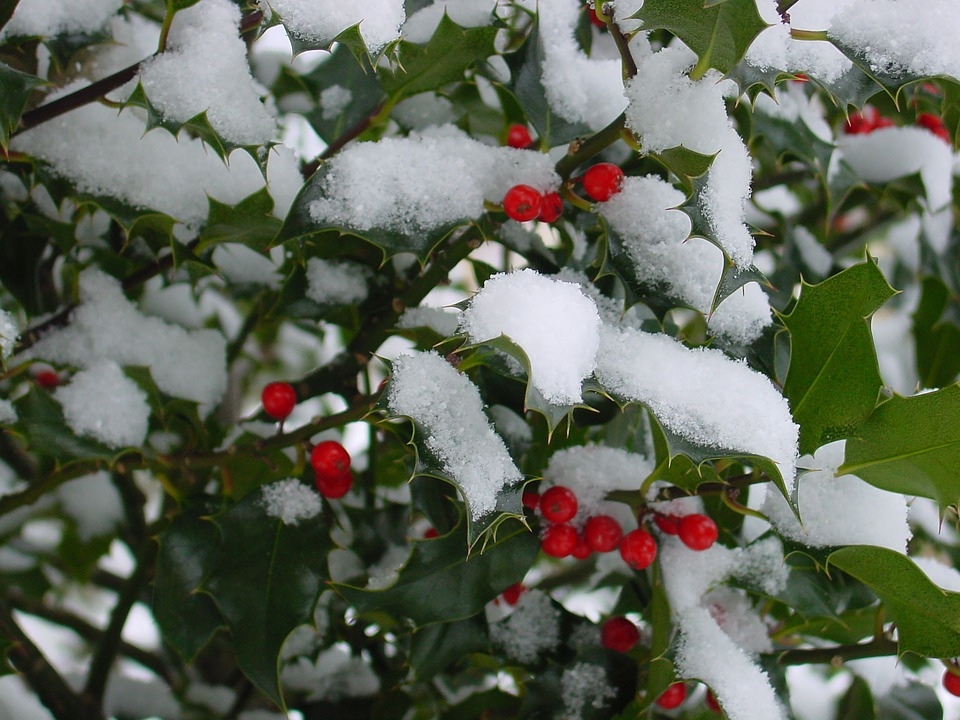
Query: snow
[
  {"x": 700, "y": 394},
  {"x": 8, "y": 413},
  {"x": 555, "y": 324},
  {"x": 448, "y": 411},
  {"x": 423, "y": 182},
  {"x": 923, "y": 45},
  {"x": 578, "y": 88},
  {"x": 420, "y": 26},
  {"x": 106, "y": 154},
  {"x": 321, "y": 21},
  {"x": 692, "y": 114},
  {"x": 94, "y": 504},
  {"x": 337, "y": 282},
  {"x": 290, "y": 501},
  {"x": 333, "y": 101},
  {"x": 584, "y": 685},
  {"x": 9, "y": 334},
  {"x": 106, "y": 326},
  {"x": 204, "y": 69},
  {"x": 334, "y": 675},
  {"x": 940, "y": 574},
  {"x": 842, "y": 510},
  {"x": 656, "y": 239},
  {"x": 893, "y": 152},
  {"x": 48, "y": 18},
  {"x": 439, "y": 320},
  {"x": 103, "y": 403},
  {"x": 242, "y": 264},
  {"x": 531, "y": 630}
]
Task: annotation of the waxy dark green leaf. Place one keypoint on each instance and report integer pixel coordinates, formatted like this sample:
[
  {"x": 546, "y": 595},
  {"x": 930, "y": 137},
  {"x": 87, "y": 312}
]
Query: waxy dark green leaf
[
  {"x": 439, "y": 585},
  {"x": 857, "y": 702},
  {"x": 911, "y": 445},
  {"x": 936, "y": 335},
  {"x": 927, "y": 617},
  {"x": 250, "y": 222},
  {"x": 833, "y": 382},
  {"x": 15, "y": 89},
  {"x": 187, "y": 618},
  {"x": 265, "y": 580},
  {"x": 719, "y": 34}
]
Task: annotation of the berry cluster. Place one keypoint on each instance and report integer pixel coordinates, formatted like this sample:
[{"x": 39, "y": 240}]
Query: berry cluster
[
  {"x": 329, "y": 459},
  {"x": 524, "y": 203},
  {"x": 934, "y": 124},
  {"x": 558, "y": 505},
  {"x": 866, "y": 121}
]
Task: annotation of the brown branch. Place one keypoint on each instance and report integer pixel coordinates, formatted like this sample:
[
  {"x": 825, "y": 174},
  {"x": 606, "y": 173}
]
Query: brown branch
[
  {"x": 714, "y": 488},
  {"x": 337, "y": 145},
  {"x": 880, "y": 647}
]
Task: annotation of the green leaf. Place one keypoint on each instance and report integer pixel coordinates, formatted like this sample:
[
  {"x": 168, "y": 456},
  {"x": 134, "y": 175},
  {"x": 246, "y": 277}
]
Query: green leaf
[
  {"x": 187, "y": 618},
  {"x": 915, "y": 701},
  {"x": 927, "y": 617},
  {"x": 936, "y": 335},
  {"x": 686, "y": 164},
  {"x": 719, "y": 34},
  {"x": 793, "y": 139},
  {"x": 527, "y": 69},
  {"x": 15, "y": 89},
  {"x": 857, "y": 702},
  {"x": 443, "y": 60},
  {"x": 440, "y": 584},
  {"x": 250, "y": 222},
  {"x": 834, "y": 380},
  {"x": 6, "y": 10},
  {"x": 891, "y": 81},
  {"x": 911, "y": 446},
  {"x": 42, "y": 420},
  {"x": 435, "y": 647},
  {"x": 265, "y": 579}
]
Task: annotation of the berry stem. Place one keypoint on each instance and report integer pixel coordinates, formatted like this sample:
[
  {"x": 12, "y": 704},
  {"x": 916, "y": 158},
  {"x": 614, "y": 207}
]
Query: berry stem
[
  {"x": 882, "y": 647},
  {"x": 593, "y": 145}
]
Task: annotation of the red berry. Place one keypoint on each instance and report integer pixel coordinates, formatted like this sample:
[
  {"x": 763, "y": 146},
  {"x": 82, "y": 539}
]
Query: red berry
[
  {"x": 551, "y": 207},
  {"x": 668, "y": 524},
  {"x": 582, "y": 550},
  {"x": 602, "y": 181},
  {"x": 331, "y": 469},
  {"x": 518, "y": 136},
  {"x": 511, "y": 596},
  {"x": 334, "y": 486},
  {"x": 951, "y": 682},
  {"x": 934, "y": 124},
  {"x": 673, "y": 696},
  {"x": 430, "y": 533},
  {"x": 801, "y": 77},
  {"x": 602, "y": 533},
  {"x": 594, "y": 18},
  {"x": 559, "y": 540},
  {"x": 711, "y": 702},
  {"x": 558, "y": 504},
  {"x": 522, "y": 203},
  {"x": 530, "y": 500},
  {"x": 619, "y": 633},
  {"x": 47, "y": 379},
  {"x": 278, "y": 399},
  {"x": 697, "y": 532},
  {"x": 638, "y": 549}
]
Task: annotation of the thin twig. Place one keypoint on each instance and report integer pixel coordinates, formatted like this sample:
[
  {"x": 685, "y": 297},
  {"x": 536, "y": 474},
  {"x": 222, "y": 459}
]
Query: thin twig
[{"x": 880, "y": 647}]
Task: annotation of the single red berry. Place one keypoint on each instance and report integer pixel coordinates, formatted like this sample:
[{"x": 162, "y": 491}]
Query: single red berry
[
  {"x": 673, "y": 696},
  {"x": 801, "y": 77},
  {"x": 334, "y": 486},
  {"x": 430, "y": 533},
  {"x": 522, "y": 203},
  {"x": 518, "y": 136},
  {"x": 934, "y": 124},
  {"x": 278, "y": 399},
  {"x": 511, "y": 596},
  {"x": 559, "y": 540},
  {"x": 602, "y": 181},
  {"x": 619, "y": 633},
  {"x": 882, "y": 122},
  {"x": 558, "y": 504},
  {"x": 531, "y": 500},
  {"x": 551, "y": 207},
  {"x": 638, "y": 549},
  {"x": 668, "y": 524},
  {"x": 711, "y": 702},
  {"x": 602, "y": 533},
  {"x": 594, "y": 18},
  {"x": 697, "y": 532},
  {"x": 582, "y": 550},
  {"x": 951, "y": 682},
  {"x": 47, "y": 379}
]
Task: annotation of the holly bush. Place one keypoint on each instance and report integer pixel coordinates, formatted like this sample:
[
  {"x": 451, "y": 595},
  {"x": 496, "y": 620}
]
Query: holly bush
[{"x": 610, "y": 354}]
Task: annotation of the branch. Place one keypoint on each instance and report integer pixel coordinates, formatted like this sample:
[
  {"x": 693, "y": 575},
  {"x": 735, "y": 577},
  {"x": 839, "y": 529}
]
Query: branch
[
  {"x": 880, "y": 647},
  {"x": 579, "y": 153},
  {"x": 41, "y": 676},
  {"x": 52, "y": 481}
]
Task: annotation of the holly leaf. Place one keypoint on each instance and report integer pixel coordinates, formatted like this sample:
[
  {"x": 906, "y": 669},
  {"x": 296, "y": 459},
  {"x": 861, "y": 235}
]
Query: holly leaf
[
  {"x": 792, "y": 139},
  {"x": 450, "y": 52},
  {"x": 914, "y": 701},
  {"x": 435, "y": 647},
  {"x": 936, "y": 335},
  {"x": 41, "y": 418},
  {"x": 265, "y": 579},
  {"x": 686, "y": 164},
  {"x": 889, "y": 81},
  {"x": 719, "y": 33},
  {"x": 15, "y": 89},
  {"x": 911, "y": 446},
  {"x": 250, "y": 222},
  {"x": 857, "y": 702},
  {"x": 927, "y": 617},
  {"x": 187, "y": 617},
  {"x": 833, "y": 381},
  {"x": 440, "y": 585}
]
